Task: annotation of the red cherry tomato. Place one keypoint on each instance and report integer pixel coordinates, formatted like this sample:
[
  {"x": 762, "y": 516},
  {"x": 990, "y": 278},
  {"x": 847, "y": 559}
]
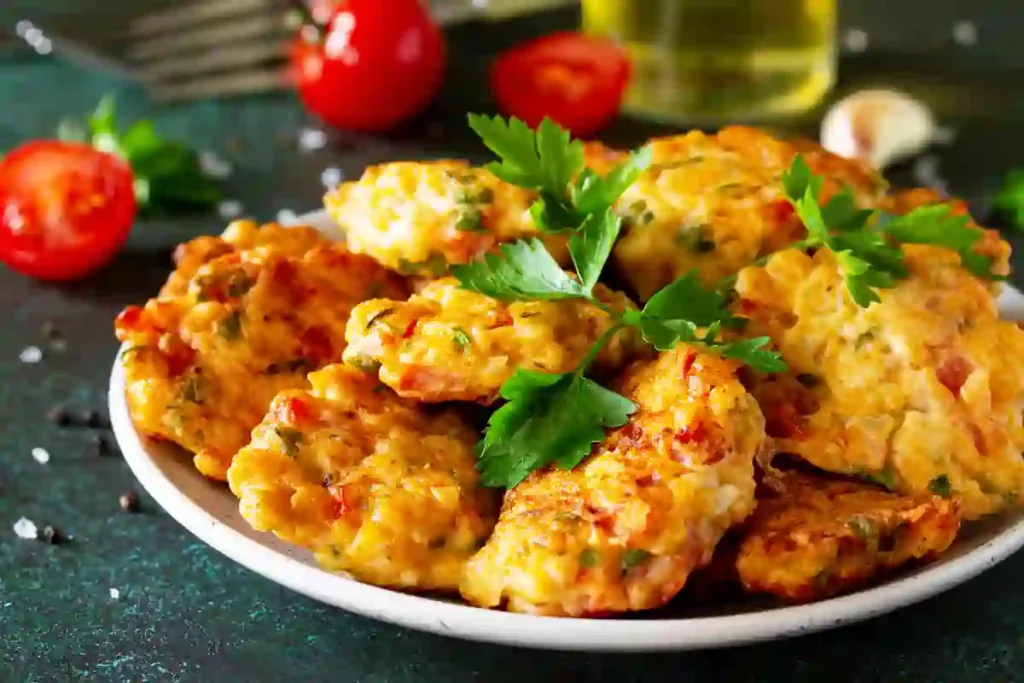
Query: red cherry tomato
[
  {"x": 65, "y": 209},
  {"x": 377, "y": 64},
  {"x": 576, "y": 80}
]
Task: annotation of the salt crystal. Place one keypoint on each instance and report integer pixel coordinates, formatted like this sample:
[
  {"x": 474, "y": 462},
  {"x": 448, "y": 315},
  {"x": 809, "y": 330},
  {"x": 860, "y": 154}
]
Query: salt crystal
[
  {"x": 331, "y": 177},
  {"x": 115, "y": 594},
  {"x": 311, "y": 139},
  {"x": 287, "y": 217},
  {"x": 40, "y": 455},
  {"x": 26, "y": 528},
  {"x": 33, "y": 36},
  {"x": 23, "y": 27},
  {"x": 229, "y": 208},
  {"x": 44, "y": 46},
  {"x": 30, "y": 354},
  {"x": 856, "y": 40},
  {"x": 965, "y": 33},
  {"x": 213, "y": 165}
]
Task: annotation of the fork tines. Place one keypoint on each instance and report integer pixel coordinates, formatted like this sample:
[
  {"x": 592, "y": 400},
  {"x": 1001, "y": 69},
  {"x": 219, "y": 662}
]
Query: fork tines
[{"x": 209, "y": 48}]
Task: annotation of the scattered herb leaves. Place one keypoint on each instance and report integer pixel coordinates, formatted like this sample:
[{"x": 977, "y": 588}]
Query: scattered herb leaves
[{"x": 169, "y": 178}]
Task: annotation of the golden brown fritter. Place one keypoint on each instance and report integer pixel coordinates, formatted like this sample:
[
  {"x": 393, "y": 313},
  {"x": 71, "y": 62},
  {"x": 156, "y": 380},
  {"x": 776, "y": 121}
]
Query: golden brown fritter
[
  {"x": 714, "y": 203},
  {"x": 419, "y": 217},
  {"x": 204, "y": 364},
  {"x": 817, "y": 537},
  {"x": 922, "y": 391},
  {"x": 241, "y": 235},
  {"x": 450, "y": 344},
  {"x": 624, "y": 529},
  {"x": 372, "y": 484}
]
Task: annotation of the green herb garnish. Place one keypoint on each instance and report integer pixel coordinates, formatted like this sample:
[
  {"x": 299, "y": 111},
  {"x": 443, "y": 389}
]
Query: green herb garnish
[
  {"x": 554, "y": 419},
  {"x": 194, "y": 389},
  {"x": 589, "y": 558},
  {"x": 868, "y": 251},
  {"x": 940, "y": 486},
  {"x": 461, "y": 339},
  {"x": 1010, "y": 200},
  {"x": 230, "y": 327},
  {"x": 291, "y": 439},
  {"x": 863, "y": 528},
  {"x": 168, "y": 176},
  {"x": 634, "y": 557}
]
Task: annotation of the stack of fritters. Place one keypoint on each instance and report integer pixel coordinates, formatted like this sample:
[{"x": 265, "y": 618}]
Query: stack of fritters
[{"x": 902, "y": 416}]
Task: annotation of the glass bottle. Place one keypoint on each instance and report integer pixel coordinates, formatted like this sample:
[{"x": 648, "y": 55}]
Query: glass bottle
[{"x": 714, "y": 61}]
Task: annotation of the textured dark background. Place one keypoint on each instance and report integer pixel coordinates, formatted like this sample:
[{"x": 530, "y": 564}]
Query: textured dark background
[{"x": 185, "y": 613}]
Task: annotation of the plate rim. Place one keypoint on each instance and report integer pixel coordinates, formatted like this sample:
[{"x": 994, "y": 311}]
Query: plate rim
[{"x": 542, "y": 632}]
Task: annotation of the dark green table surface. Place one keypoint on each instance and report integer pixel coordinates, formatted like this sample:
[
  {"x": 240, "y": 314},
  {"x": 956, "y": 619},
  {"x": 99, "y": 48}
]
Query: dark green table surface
[{"x": 186, "y": 613}]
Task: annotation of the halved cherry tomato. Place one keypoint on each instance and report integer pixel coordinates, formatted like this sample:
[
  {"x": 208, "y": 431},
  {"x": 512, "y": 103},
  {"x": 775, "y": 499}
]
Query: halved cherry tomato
[
  {"x": 376, "y": 64},
  {"x": 576, "y": 80},
  {"x": 65, "y": 209}
]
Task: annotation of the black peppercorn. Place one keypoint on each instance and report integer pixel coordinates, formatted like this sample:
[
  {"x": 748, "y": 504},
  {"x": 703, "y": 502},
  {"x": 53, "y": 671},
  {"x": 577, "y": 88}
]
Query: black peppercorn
[
  {"x": 59, "y": 416},
  {"x": 129, "y": 501}
]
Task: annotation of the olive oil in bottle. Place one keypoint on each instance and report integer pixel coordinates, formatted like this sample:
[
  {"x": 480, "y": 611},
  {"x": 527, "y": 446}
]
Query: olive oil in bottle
[{"x": 713, "y": 61}]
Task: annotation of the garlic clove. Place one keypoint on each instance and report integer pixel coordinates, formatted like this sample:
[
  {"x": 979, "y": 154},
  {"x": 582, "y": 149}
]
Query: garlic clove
[{"x": 878, "y": 127}]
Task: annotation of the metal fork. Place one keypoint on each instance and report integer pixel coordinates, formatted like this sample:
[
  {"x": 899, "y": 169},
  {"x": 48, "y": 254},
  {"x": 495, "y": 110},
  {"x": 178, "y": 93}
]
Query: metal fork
[{"x": 205, "y": 48}]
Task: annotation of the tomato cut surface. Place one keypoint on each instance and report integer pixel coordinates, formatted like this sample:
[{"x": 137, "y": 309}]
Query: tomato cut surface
[
  {"x": 65, "y": 209},
  {"x": 576, "y": 80}
]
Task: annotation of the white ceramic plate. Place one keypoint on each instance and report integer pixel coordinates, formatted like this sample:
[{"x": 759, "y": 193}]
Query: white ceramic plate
[{"x": 210, "y": 511}]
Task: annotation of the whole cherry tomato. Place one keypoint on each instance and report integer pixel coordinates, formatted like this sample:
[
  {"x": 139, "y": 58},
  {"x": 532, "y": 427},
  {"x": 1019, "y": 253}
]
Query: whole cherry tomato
[
  {"x": 65, "y": 209},
  {"x": 576, "y": 80},
  {"x": 374, "y": 65}
]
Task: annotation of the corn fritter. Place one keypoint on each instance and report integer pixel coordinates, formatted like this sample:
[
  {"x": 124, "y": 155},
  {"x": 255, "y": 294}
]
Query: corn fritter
[
  {"x": 714, "y": 203},
  {"x": 624, "y": 529},
  {"x": 418, "y": 218},
  {"x": 920, "y": 392},
  {"x": 372, "y": 484},
  {"x": 204, "y": 365},
  {"x": 240, "y": 235},
  {"x": 450, "y": 344},
  {"x": 819, "y": 537}
]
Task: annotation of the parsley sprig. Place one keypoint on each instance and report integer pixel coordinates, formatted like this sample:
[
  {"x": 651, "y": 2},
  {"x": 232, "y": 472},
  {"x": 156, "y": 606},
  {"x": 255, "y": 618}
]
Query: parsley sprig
[
  {"x": 169, "y": 177},
  {"x": 552, "y": 418},
  {"x": 866, "y": 243},
  {"x": 1010, "y": 199}
]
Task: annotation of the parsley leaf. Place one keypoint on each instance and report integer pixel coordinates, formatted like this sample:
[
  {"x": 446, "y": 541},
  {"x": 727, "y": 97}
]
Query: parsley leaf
[
  {"x": 461, "y": 339},
  {"x": 592, "y": 192},
  {"x": 753, "y": 353},
  {"x": 676, "y": 313},
  {"x": 545, "y": 160},
  {"x": 688, "y": 299},
  {"x": 842, "y": 214},
  {"x": 592, "y": 244},
  {"x": 938, "y": 225},
  {"x": 524, "y": 271},
  {"x": 940, "y": 486},
  {"x": 548, "y": 420},
  {"x": 797, "y": 180},
  {"x": 870, "y": 256},
  {"x": 1010, "y": 199},
  {"x": 168, "y": 175},
  {"x": 555, "y": 419}
]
